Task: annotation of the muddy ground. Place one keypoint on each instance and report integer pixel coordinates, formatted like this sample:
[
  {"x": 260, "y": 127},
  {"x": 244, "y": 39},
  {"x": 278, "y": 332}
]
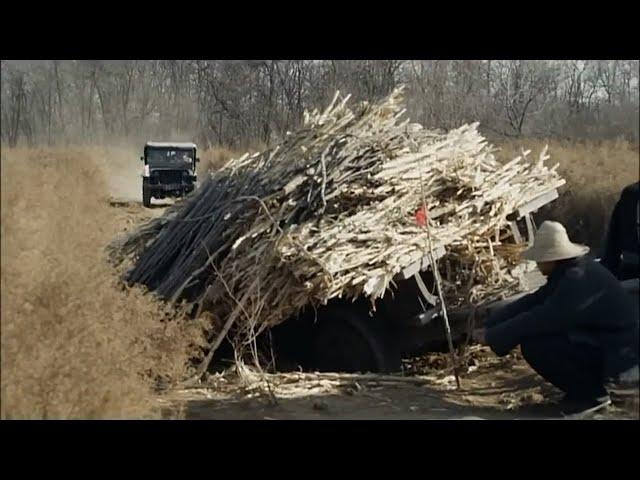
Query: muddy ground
[{"x": 492, "y": 388}]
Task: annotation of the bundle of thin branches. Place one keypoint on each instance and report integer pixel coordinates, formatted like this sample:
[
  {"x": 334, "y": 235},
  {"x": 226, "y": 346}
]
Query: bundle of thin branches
[{"x": 330, "y": 212}]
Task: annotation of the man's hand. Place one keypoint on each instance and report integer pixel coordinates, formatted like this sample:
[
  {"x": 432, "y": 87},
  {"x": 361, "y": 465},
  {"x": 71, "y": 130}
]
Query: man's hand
[{"x": 478, "y": 335}]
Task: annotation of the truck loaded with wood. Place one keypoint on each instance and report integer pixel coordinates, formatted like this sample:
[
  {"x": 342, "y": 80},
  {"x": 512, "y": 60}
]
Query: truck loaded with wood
[{"x": 358, "y": 239}]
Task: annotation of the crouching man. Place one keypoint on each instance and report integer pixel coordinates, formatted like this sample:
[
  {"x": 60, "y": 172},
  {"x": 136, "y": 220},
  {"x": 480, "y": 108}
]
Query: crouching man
[{"x": 579, "y": 331}]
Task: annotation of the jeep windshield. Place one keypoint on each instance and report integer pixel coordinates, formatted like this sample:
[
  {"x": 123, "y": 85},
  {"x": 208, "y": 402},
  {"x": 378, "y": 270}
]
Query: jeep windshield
[{"x": 170, "y": 158}]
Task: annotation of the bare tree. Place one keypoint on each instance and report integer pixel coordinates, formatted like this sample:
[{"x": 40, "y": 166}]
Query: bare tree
[
  {"x": 16, "y": 100},
  {"x": 238, "y": 103}
]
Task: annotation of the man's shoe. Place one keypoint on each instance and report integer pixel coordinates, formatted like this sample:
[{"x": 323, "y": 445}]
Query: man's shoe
[{"x": 576, "y": 409}]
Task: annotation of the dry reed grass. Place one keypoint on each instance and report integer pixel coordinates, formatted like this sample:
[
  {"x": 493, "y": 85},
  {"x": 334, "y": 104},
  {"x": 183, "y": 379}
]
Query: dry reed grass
[
  {"x": 596, "y": 173},
  {"x": 214, "y": 158},
  {"x": 74, "y": 343}
]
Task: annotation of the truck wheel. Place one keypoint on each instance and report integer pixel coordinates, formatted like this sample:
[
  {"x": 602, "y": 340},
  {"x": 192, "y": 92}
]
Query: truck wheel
[
  {"x": 348, "y": 340},
  {"x": 146, "y": 197}
]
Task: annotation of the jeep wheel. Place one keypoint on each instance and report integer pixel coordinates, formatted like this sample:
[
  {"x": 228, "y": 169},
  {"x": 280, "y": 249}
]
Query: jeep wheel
[{"x": 146, "y": 197}]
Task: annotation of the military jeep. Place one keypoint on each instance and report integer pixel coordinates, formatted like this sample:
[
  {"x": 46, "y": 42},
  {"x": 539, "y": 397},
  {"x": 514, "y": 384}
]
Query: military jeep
[{"x": 169, "y": 170}]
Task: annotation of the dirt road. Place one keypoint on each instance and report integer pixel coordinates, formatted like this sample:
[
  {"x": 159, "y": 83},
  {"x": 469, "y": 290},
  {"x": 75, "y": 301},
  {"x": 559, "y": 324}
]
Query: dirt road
[
  {"x": 498, "y": 389},
  {"x": 492, "y": 388}
]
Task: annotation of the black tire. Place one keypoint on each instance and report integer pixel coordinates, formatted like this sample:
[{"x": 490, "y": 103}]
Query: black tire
[
  {"x": 346, "y": 339},
  {"x": 146, "y": 196}
]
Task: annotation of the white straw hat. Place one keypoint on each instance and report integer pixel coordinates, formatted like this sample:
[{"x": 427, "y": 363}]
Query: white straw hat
[{"x": 552, "y": 243}]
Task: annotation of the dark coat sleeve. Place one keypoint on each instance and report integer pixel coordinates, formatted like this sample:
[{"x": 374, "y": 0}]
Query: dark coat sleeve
[
  {"x": 561, "y": 311},
  {"x": 613, "y": 244},
  {"x": 521, "y": 305}
]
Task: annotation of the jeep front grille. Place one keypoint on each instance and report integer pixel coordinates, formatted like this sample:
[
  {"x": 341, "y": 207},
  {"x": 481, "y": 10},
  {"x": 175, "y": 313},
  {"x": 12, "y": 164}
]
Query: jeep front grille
[{"x": 167, "y": 177}]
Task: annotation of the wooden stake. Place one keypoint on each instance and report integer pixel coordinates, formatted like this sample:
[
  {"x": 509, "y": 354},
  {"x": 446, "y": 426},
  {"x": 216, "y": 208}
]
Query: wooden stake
[{"x": 436, "y": 276}]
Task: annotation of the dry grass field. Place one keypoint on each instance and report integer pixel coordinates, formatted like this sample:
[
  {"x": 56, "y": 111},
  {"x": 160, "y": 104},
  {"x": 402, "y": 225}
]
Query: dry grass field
[
  {"x": 74, "y": 343},
  {"x": 596, "y": 173}
]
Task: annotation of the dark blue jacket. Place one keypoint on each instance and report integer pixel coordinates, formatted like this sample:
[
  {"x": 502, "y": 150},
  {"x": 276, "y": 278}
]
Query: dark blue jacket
[
  {"x": 621, "y": 254},
  {"x": 582, "y": 300}
]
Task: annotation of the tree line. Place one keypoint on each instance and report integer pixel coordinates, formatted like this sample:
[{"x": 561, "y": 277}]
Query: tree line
[{"x": 247, "y": 102}]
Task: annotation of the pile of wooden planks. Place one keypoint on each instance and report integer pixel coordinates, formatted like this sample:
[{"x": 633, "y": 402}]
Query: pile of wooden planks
[{"x": 334, "y": 210}]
